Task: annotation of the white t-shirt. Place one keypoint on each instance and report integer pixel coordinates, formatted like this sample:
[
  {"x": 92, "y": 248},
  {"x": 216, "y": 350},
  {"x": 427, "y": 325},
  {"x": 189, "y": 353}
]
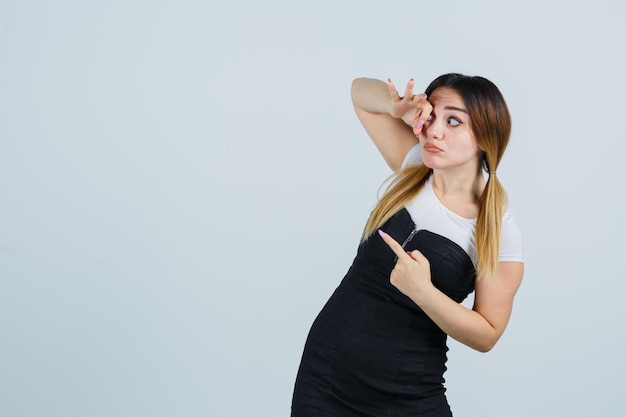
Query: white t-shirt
[{"x": 428, "y": 213}]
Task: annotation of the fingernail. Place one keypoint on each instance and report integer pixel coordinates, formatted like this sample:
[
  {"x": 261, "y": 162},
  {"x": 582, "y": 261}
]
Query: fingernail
[
  {"x": 420, "y": 123},
  {"x": 381, "y": 233}
]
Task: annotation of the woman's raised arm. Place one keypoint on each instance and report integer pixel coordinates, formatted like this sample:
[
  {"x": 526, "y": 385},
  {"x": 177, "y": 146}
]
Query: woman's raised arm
[{"x": 393, "y": 122}]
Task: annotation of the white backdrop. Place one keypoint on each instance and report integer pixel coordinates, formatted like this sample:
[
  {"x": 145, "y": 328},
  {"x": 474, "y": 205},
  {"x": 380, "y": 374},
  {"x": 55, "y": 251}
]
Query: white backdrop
[{"x": 184, "y": 183}]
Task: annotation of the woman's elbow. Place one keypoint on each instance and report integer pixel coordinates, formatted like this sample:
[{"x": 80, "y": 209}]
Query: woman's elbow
[
  {"x": 485, "y": 345},
  {"x": 355, "y": 88}
]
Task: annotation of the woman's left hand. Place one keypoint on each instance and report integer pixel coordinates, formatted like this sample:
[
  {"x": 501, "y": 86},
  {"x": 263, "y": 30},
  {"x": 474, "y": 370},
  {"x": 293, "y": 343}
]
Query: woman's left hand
[{"x": 411, "y": 275}]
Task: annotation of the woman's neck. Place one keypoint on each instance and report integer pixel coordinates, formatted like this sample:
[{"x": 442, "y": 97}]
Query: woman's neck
[{"x": 459, "y": 191}]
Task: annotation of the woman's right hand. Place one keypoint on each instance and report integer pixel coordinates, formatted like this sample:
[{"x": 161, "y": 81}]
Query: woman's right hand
[
  {"x": 413, "y": 109},
  {"x": 392, "y": 122}
]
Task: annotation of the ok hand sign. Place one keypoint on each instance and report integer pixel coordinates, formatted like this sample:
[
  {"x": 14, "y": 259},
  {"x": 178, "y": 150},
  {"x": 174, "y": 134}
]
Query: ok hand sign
[{"x": 413, "y": 109}]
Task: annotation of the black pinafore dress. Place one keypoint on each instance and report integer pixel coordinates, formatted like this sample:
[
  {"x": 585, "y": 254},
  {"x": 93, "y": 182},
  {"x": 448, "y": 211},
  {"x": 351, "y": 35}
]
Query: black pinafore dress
[{"x": 372, "y": 352}]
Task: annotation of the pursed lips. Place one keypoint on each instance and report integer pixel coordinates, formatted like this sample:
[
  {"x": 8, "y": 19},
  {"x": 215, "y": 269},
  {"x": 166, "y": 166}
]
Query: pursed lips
[{"x": 431, "y": 148}]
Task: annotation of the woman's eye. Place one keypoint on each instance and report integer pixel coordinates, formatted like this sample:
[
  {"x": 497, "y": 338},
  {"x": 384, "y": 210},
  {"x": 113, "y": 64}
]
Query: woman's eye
[
  {"x": 453, "y": 121},
  {"x": 430, "y": 117}
]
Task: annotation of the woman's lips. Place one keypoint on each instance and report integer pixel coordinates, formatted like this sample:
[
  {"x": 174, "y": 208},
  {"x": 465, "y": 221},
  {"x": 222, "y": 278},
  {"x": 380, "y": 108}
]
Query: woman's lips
[{"x": 431, "y": 148}]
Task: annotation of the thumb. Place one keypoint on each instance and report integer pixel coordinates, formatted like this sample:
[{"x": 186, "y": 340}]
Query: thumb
[
  {"x": 418, "y": 256},
  {"x": 417, "y": 126}
]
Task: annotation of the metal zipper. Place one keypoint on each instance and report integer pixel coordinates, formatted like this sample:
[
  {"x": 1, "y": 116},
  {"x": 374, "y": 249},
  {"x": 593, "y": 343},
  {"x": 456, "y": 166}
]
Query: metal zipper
[{"x": 408, "y": 239}]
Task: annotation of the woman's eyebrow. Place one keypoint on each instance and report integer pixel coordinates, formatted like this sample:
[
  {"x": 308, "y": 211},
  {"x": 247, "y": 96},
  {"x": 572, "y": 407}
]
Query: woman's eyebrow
[{"x": 456, "y": 108}]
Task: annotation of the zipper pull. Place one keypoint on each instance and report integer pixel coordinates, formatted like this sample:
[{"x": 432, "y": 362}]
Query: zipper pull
[{"x": 408, "y": 239}]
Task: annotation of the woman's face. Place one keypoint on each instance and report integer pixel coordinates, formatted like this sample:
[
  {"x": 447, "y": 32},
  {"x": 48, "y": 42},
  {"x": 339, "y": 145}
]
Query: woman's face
[{"x": 447, "y": 141}]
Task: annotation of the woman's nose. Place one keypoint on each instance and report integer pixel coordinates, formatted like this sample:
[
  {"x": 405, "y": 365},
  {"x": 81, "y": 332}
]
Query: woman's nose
[{"x": 434, "y": 129}]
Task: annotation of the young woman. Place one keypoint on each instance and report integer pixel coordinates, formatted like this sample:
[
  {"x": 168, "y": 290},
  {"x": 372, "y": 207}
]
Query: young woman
[{"x": 440, "y": 231}]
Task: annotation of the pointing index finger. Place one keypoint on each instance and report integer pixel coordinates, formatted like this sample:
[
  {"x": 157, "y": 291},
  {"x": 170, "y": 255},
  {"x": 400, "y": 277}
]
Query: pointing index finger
[{"x": 393, "y": 244}]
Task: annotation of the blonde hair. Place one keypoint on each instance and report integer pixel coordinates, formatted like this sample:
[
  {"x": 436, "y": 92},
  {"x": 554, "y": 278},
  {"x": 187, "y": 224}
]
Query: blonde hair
[{"x": 491, "y": 126}]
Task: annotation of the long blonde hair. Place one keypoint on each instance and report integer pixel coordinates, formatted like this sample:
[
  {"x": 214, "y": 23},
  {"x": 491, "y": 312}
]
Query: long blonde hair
[{"x": 491, "y": 126}]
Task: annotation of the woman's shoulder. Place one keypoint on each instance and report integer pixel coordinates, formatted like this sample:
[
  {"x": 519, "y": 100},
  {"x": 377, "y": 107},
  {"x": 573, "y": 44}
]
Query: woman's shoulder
[
  {"x": 511, "y": 244},
  {"x": 413, "y": 156}
]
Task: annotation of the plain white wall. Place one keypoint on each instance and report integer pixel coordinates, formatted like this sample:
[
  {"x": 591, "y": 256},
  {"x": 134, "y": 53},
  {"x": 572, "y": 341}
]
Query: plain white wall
[{"x": 184, "y": 183}]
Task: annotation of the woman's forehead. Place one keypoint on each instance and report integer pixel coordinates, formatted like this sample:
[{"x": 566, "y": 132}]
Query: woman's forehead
[{"x": 446, "y": 97}]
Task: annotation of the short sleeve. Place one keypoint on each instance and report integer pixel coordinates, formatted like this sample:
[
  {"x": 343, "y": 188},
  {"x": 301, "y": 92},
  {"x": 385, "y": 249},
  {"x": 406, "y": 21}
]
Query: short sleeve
[
  {"x": 511, "y": 247},
  {"x": 413, "y": 156}
]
